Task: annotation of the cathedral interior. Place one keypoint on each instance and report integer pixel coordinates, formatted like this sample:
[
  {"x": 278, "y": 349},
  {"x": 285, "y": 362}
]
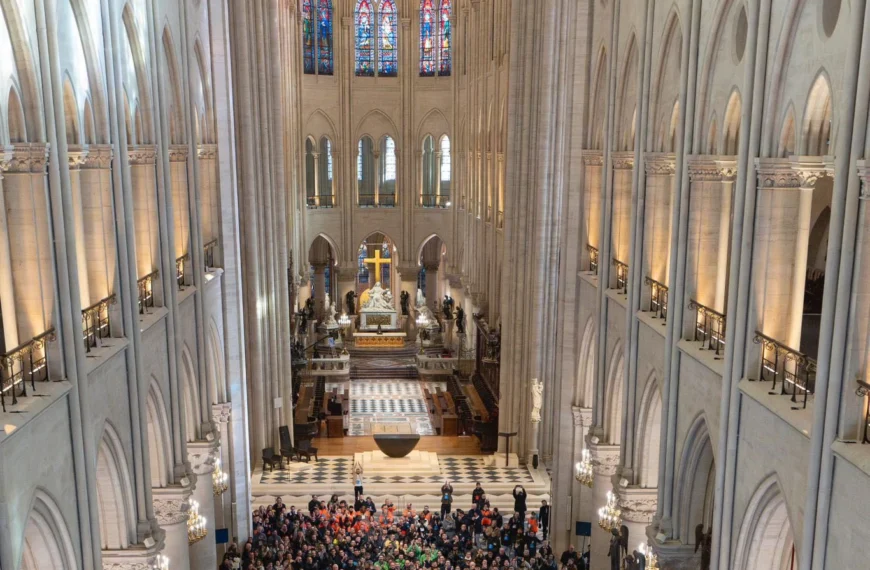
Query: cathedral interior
[{"x": 615, "y": 253}]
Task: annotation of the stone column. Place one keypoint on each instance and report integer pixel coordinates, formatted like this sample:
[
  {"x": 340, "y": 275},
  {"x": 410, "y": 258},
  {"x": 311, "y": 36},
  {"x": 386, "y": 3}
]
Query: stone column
[
  {"x": 180, "y": 199},
  {"x": 408, "y": 280},
  {"x": 142, "y": 161},
  {"x": 605, "y": 461},
  {"x": 203, "y": 554},
  {"x": 660, "y": 168},
  {"x": 623, "y": 171},
  {"x": 7, "y": 289},
  {"x": 319, "y": 286},
  {"x": 171, "y": 507},
  {"x": 98, "y": 214},
  {"x": 223, "y": 511},
  {"x": 581, "y": 495},
  {"x": 711, "y": 179},
  {"x": 76, "y": 158},
  {"x": 593, "y": 161},
  {"x": 346, "y": 280},
  {"x": 782, "y": 231},
  {"x": 24, "y": 189},
  {"x": 638, "y": 508},
  {"x": 431, "y": 285}
]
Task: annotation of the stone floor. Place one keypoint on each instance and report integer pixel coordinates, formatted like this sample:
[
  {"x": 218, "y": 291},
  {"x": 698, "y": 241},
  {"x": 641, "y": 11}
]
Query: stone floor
[{"x": 387, "y": 406}]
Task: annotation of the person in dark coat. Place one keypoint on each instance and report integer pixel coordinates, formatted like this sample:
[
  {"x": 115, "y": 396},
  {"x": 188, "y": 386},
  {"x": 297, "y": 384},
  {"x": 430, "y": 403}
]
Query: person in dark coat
[
  {"x": 446, "y": 498},
  {"x": 520, "y": 502},
  {"x": 544, "y": 519},
  {"x": 615, "y": 550}
]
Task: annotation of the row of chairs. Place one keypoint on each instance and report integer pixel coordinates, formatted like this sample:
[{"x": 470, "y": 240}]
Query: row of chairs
[{"x": 303, "y": 452}]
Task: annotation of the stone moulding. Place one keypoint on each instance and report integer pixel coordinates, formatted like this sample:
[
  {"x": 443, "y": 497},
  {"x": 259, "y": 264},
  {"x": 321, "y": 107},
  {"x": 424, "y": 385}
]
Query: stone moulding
[{"x": 712, "y": 168}]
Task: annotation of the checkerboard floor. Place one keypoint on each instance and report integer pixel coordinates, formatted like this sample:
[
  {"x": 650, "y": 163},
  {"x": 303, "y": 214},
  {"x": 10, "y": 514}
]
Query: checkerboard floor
[
  {"x": 387, "y": 402},
  {"x": 337, "y": 471}
]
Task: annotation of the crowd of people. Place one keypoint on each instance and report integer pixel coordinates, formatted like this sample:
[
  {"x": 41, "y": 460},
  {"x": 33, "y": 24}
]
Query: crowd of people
[{"x": 357, "y": 535}]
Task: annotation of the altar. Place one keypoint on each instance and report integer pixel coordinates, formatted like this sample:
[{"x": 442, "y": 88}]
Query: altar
[
  {"x": 384, "y": 340},
  {"x": 371, "y": 319}
]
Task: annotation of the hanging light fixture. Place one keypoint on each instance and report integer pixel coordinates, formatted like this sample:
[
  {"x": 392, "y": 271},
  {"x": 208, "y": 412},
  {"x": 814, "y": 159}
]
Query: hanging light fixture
[
  {"x": 161, "y": 562},
  {"x": 609, "y": 516},
  {"x": 196, "y": 528},
  {"x": 219, "y": 478},
  {"x": 652, "y": 562},
  {"x": 584, "y": 473}
]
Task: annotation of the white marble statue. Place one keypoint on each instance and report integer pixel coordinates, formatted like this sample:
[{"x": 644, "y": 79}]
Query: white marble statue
[
  {"x": 537, "y": 400},
  {"x": 379, "y": 299},
  {"x": 329, "y": 321},
  {"x": 421, "y": 300}
]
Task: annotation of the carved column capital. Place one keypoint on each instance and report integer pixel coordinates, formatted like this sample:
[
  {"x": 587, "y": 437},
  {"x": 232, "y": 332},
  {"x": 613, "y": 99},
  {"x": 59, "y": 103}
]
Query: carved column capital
[
  {"x": 26, "y": 157},
  {"x": 709, "y": 168},
  {"x": 178, "y": 153},
  {"x": 864, "y": 175},
  {"x": 622, "y": 160},
  {"x": 220, "y": 413},
  {"x": 605, "y": 457},
  {"x": 202, "y": 455},
  {"x": 593, "y": 157},
  {"x": 142, "y": 154},
  {"x": 790, "y": 173},
  {"x": 76, "y": 156},
  {"x": 99, "y": 157},
  {"x": 207, "y": 151},
  {"x": 660, "y": 163},
  {"x": 582, "y": 416},
  {"x": 637, "y": 505},
  {"x": 171, "y": 504}
]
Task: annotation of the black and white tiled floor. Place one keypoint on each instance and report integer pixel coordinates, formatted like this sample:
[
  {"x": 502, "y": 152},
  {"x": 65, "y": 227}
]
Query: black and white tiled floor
[
  {"x": 337, "y": 471},
  {"x": 387, "y": 402}
]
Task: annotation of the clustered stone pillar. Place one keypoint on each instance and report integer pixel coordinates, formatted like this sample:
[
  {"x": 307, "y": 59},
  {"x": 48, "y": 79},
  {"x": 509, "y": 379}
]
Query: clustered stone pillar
[
  {"x": 142, "y": 160},
  {"x": 7, "y": 288},
  {"x": 660, "y": 170},
  {"x": 623, "y": 169},
  {"x": 431, "y": 285},
  {"x": 180, "y": 198},
  {"x": 319, "y": 286},
  {"x": 593, "y": 161},
  {"x": 25, "y": 193},
  {"x": 202, "y": 458},
  {"x": 711, "y": 179},
  {"x": 171, "y": 508},
  {"x": 605, "y": 460}
]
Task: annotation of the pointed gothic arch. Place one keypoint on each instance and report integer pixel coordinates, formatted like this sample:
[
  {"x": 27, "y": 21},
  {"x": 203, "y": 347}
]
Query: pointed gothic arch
[
  {"x": 649, "y": 434},
  {"x": 47, "y": 542},
  {"x": 114, "y": 493},
  {"x": 584, "y": 387},
  {"x": 695, "y": 476},
  {"x": 613, "y": 397},
  {"x": 190, "y": 395},
  {"x": 159, "y": 436},
  {"x": 766, "y": 538}
]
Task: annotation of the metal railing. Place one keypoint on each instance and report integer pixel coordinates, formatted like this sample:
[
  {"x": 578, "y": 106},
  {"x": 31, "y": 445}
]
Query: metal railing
[
  {"x": 593, "y": 259},
  {"x": 863, "y": 390},
  {"x": 180, "y": 269},
  {"x": 146, "y": 291},
  {"x": 381, "y": 201},
  {"x": 208, "y": 254},
  {"x": 794, "y": 370},
  {"x": 95, "y": 322},
  {"x": 324, "y": 201},
  {"x": 24, "y": 362},
  {"x": 709, "y": 327},
  {"x": 621, "y": 275},
  {"x": 433, "y": 201},
  {"x": 658, "y": 298}
]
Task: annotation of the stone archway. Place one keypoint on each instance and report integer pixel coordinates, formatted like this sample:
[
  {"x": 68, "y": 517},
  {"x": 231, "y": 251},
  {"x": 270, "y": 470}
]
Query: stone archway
[{"x": 766, "y": 540}]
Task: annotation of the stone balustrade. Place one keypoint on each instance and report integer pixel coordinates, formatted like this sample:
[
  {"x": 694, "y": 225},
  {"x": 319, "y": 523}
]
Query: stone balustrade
[{"x": 434, "y": 365}]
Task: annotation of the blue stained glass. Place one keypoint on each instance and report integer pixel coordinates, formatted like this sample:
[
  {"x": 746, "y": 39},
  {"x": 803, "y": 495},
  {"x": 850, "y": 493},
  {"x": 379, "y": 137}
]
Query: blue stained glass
[
  {"x": 324, "y": 37},
  {"x": 445, "y": 40},
  {"x": 307, "y": 37},
  {"x": 365, "y": 48},
  {"x": 363, "y": 273},
  {"x": 427, "y": 38},
  {"x": 388, "y": 61}
]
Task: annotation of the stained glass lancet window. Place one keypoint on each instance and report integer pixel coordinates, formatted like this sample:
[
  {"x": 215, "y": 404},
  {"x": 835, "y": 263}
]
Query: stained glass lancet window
[
  {"x": 427, "y": 38},
  {"x": 365, "y": 45},
  {"x": 388, "y": 61},
  {"x": 445, "y": 39},
  {"x": 324, "y": 37},
  {"x": 307, "y": 37}
]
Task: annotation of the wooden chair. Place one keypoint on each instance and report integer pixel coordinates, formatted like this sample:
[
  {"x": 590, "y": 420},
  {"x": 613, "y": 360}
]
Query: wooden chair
[
  {"x": 270, "y": 459},
  {"x": 305, "y": 448},
  {"x": 290, "y": 454}
]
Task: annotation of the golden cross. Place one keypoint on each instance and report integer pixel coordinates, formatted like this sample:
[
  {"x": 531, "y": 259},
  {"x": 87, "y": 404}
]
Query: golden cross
[{"x": 378, "y": 261}]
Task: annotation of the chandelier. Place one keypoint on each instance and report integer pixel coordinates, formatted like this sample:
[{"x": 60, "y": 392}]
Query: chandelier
[
  {"x": 584, "y": 473},
  {"x": 161, "y": 562},
  {"x": 609, "y": 516},
  {"x": 196, "y": 529},
  {"x": 219, "y": 478},
  {"x": 652, "y": 562}
]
